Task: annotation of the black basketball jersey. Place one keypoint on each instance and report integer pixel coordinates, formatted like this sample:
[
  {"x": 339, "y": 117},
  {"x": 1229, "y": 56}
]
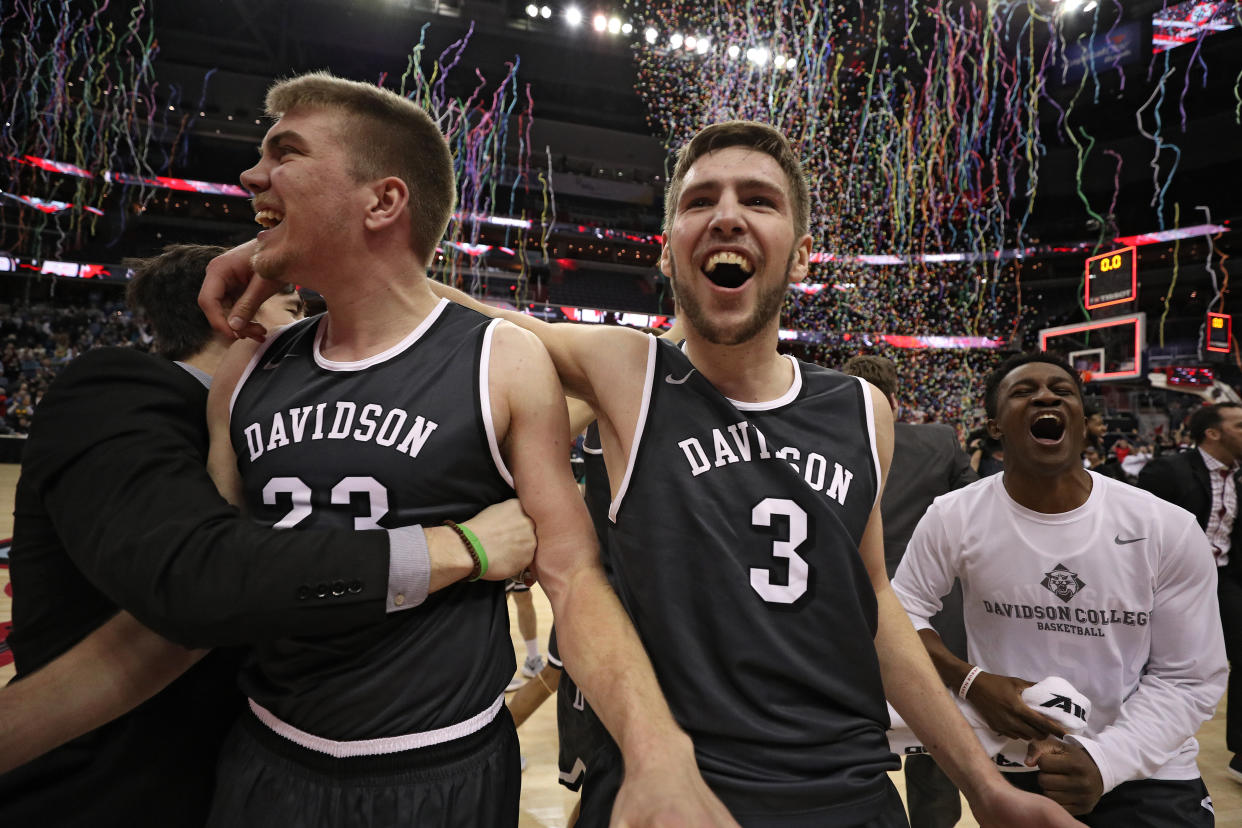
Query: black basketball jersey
[
  {"x": 596, "y": 489},
  {"x": 734, "y": 547},
  {"x": 399, "y": 439}
]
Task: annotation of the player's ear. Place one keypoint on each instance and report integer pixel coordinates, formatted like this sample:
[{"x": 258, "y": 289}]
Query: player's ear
[
  {"x": 388, "y": 199},
  {"x": 993, "y": 429},
  {"x": 801, "y": 260},
  {"x": 666, "y": 262}
]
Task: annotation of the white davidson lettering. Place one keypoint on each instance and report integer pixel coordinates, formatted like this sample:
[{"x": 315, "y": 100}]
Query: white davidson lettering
[
  {"x": 698, "y": 460},
  {"x": 733, "y": 445},
  {"x": 345, "y": 413},
  {"x": 298, "y": 417},
  {"x": 374, "y": 424}
]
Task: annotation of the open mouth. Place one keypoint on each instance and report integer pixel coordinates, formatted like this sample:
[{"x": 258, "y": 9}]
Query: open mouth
[
  {"x": 1047, "y": 429},
  {"x": 269, "y": 218},
  {"x": 728, "y": 269}
]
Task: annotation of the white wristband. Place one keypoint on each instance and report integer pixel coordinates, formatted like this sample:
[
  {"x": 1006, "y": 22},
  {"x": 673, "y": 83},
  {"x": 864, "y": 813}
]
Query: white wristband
[{"x": 966, "y": 682}]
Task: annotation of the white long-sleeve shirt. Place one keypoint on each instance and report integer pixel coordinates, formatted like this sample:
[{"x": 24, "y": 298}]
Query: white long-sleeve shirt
[{"x": 1118, "y": 596}]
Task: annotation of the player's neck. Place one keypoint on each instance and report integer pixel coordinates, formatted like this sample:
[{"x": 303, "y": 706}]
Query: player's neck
[
  {"x": 752, "y": 371},
  {"x": 370, "y": 315},
  {"x": 1048, "y": 494}
]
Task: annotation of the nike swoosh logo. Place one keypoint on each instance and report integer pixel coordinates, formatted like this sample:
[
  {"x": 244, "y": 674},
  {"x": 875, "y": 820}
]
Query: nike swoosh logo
[
  {"x": 276, "y": 362},
  {"x": 669, "y": 378},
  {"x": 1117, "y": 539}
]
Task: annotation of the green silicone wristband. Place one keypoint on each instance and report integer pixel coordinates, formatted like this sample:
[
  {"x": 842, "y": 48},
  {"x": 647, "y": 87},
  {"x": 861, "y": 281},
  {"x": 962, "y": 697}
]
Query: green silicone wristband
[{"x": 477, "y": 548}]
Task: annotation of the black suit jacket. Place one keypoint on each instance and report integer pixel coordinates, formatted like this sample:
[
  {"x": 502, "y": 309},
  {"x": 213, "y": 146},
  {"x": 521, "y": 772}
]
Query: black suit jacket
[
  {"x": 114, "y": 508},
  {"x": 928, "y": 461},
  {"x": 1182, "y": 479}
]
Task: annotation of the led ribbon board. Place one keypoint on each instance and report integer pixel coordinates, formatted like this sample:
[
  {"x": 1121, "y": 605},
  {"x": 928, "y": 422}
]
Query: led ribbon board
[{"x": 1112, "y": 278}]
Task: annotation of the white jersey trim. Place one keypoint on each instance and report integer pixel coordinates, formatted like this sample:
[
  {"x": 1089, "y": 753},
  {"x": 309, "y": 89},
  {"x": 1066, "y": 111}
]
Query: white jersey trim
[
  {"x": 376, "y": 747},
  {"x": 643, "y": 410},
  {"x": 795, "y": 388},
  {"x": 485, "y": 401},
  {"x": 254, "y": 360},
  {"x": 358, "y": 365},
  {"x": 875, "y": 452}
]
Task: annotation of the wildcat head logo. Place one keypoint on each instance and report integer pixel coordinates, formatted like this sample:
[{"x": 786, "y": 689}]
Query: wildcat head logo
[{"x": 1062, "y": 583}]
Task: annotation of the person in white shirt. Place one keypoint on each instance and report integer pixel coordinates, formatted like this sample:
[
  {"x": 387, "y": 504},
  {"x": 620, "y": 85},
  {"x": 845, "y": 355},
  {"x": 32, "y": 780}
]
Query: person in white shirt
[{"x": 1071, "y": 574}]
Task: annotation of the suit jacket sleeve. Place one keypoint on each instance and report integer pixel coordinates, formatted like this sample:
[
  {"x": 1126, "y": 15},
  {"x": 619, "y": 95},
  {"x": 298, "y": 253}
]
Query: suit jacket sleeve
[{"x": 115, "y": 469}]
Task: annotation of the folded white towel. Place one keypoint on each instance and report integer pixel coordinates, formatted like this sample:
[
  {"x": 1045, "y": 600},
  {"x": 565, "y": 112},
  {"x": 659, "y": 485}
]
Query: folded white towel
[{"x": 1054, "y": 697}]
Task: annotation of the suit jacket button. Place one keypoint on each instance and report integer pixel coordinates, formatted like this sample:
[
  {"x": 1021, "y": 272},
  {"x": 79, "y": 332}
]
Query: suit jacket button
[
  {"x": 321, "y": 591},
  {"x": 355, "y": 587},
  {"x": 338, "y": 588},
  {"x": 303, "y": 592}
]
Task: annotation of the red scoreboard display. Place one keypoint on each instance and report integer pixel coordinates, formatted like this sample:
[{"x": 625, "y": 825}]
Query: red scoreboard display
[{"x": 1112, "y": 278}]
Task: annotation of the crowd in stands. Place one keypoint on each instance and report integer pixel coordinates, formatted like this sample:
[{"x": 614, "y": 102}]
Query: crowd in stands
[
  {"x": 943, "y": 386},
  {"x": 37, "y": 341}
]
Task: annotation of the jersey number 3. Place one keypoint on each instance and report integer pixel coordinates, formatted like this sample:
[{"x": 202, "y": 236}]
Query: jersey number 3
[
  {"x": 761, "y": 579},
  {"x": 300, "y": 494}
]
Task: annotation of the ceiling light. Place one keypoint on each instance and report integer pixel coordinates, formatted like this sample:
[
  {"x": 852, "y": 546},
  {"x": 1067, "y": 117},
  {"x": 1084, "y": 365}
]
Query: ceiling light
[
  {"x": 704, "y": 45},
  {"x": 614, "y": 25},
  {"x": 1090, "y": 7},
  {"x": 790, "y": 64},
  {"x": 626, "y": 28},
  {"x": 572, "y": 16},
  {"x": 691, "y": 42},
  {"x": 734, "y": 50},
  {"x": 600, "y": 22},
  {"x": 675, "y": 41},
  {"x": 532, "y": 10},
  {"x": 545, "y": 12},
  {"x": 651, "y": 35},
  {"x": 758, "y": 55}
]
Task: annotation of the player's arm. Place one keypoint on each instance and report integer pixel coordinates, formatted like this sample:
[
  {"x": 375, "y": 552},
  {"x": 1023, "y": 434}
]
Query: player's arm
[
  {"x": 913, "y": 687},
  {"x": 589, "y": 359},
  {"x": 115, "y": 668},
  {"x": 925, "y": 575},
  {"x": 594, "y": 635},
  {"x": 426, "y": 559},
  {"x": 1183, "y": 679}
]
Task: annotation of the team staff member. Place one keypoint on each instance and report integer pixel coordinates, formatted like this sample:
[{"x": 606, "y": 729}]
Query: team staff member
[
  {"x": 747, "y": 480},
  {"x": 1069, "y": 573}
]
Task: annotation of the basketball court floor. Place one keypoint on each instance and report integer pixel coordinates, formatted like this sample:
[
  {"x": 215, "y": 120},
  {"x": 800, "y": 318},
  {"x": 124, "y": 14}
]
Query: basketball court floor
[{"x": 545, "y": 804}]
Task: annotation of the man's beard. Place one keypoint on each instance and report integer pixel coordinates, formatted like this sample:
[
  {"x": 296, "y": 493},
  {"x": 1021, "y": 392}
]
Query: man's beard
[
  {"x": 269, "y": 266},
  {"x": 767, "y": 305}
]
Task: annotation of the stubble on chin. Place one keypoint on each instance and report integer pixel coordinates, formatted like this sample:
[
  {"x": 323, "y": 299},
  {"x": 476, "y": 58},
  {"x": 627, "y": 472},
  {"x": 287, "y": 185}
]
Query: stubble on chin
[{"x": 767, "y": 305}]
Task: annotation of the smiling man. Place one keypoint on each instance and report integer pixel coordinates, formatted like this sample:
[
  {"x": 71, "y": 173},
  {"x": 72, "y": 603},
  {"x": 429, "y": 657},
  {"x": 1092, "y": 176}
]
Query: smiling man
[{"x": 1069, "y": 573}]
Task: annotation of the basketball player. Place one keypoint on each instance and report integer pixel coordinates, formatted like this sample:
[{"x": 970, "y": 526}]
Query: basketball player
[
  {"x": 1069, "y": 573},
  {"x": 748, "y": 481},
  {"x": 115, "y": 508},
  {"x": 399, "y": 407}
]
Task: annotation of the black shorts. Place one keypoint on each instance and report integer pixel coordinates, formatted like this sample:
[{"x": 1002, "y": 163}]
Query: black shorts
[
  {"x": 580, "y": 732},
  {"x": 1143, "y": 803},
  {"x": 265, "y": 781},
  {"x": 554, "y": 652},
  {"x": 600, "y": 791}
]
